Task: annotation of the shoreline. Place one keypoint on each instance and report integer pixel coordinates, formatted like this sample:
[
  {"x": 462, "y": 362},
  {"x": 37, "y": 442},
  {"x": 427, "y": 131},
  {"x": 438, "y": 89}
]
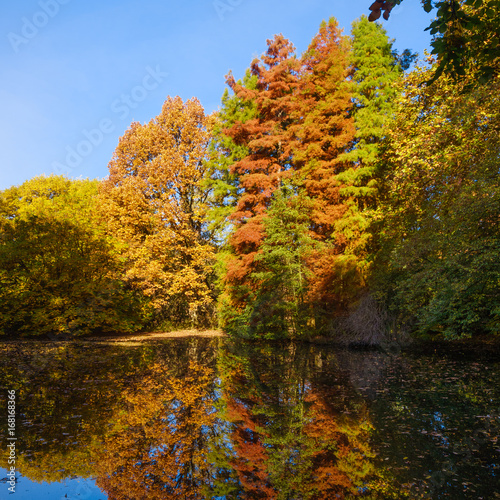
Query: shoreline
[
  {"x": 481, "y": 344},
  {"x": 139, "y": 337},
  {"x": 118, "y": 338}
]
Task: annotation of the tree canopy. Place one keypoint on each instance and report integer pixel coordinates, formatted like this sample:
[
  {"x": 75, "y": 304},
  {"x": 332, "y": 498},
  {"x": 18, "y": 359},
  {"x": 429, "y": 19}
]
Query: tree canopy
[
  {"x": 155, "y": 204},
  {"x": 59, "y": 272},
  {"x": 335, "y": 192},
  {"x": 466, "y": 36}
]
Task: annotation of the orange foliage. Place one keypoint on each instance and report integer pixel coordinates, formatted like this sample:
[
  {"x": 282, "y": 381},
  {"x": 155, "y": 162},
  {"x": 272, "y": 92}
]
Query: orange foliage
[
  {"x": 266, "y": 137},
  {"x": 156, "y": 446},
  {"x": 320, "y": 138},
  {"x": 155, "y": 205},
  {"x": 251, "y": 457},
  {"x": 301, "y": 129},
  {"x": 343, "y": 458}
]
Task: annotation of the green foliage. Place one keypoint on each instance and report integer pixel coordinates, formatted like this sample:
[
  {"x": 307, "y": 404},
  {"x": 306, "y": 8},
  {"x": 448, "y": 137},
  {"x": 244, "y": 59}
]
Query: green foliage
[
  {"x": 440, "y": 213},
  {"x": 375, "y": 72},
  {"x": 224, "y": 183},
  {"x": 466, "y": 37},
  {"x": 221, "y": 179},
  {"x": 277, "y": 288},
  {"x": 280, "y": 303},
  {"x": 374, "y": 91},
  {"x": 58, "y": 273}
]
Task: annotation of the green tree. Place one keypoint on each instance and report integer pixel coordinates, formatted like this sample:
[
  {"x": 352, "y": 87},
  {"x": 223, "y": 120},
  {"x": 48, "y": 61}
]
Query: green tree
[
  {"x": 59, "y": 273},
  {"x": 222, "y": 180},
  {"x": 466, "y": 36},
  {"x": 376, "y": 71},
  {"x": 441, "y": 204},
  {"x": 279, "y": 307}
]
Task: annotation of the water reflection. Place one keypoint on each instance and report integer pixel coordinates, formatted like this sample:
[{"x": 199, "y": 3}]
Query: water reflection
[
  {"x": 214, "y": 419},
  {"x": 293, "y": 433}
]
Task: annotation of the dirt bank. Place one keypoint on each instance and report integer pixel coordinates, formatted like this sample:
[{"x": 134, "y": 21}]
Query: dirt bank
[{"x": 138, "y": 337}]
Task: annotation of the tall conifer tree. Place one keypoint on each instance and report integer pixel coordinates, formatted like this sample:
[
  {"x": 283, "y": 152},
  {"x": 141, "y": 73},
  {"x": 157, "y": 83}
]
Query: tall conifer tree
[
  {"x": 268, "y": 159},
  {"x": 222, "y": 181},
  {"x": 279, "y": 306},
  {"x": 322, "y": 133},
  {"x": 376, "y": 70}
]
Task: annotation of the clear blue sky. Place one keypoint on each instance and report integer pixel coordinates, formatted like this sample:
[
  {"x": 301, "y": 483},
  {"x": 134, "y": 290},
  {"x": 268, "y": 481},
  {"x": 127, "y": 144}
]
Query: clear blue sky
[{"x": 76, "y": 73}]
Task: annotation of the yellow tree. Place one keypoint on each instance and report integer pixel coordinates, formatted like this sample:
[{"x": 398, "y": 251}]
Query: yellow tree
[
  {"x": 154, "y": 203},
  {"x": 59, "y": 272},
  {"x": 156, "y": 443}
]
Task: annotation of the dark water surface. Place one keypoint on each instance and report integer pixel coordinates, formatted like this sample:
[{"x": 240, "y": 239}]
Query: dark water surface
[{"x": 216, "y": 419}]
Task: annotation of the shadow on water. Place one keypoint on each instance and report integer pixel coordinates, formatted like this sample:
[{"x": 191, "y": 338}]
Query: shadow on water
[{"x": 220, "y": 419}]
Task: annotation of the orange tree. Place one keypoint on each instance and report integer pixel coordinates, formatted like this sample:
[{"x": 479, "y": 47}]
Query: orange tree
[
  {"x": 322, "y": 132},
  {"x": 154, "y": 202},
  {"x": 300, "y": 126},
  {"x": 267, "y": 157}
]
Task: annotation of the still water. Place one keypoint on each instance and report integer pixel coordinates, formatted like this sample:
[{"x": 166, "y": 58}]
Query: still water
[{"x": 218, "y": 419}]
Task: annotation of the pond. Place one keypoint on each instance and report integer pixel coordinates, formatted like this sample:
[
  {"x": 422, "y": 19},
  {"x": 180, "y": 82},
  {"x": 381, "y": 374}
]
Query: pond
[{"x": 219, "y": 419}]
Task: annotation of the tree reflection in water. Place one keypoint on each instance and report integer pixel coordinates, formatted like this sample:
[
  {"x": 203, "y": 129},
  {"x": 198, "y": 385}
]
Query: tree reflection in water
[{"x": 216, "y": 419}]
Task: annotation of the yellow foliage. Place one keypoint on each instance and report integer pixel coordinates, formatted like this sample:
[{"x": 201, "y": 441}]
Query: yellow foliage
[
  {"x": 156, "y": 446},
  {"x": 154, "y": 203}
]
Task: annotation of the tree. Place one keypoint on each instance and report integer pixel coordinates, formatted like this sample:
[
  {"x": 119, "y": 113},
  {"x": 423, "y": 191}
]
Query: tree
[
  {"x": 222, "y": 181},
  {"x": 281, "y": 277},
  {"x": 439, "y": 266},
  {"x": 466, "y": 34},
  {"x": 323, "y": 128},
  {"x": 300, "y": 130},
  {"x": 59, "y": 273},
  {"x": 322, "y": 132},
  {"x": 268, "y": 159},
  {"x": 376, "y": 71},
  {"x": 155, "y": 203}
]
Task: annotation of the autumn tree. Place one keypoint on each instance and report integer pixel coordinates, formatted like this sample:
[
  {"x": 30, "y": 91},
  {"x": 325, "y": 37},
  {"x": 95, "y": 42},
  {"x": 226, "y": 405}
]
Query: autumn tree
[
  {"x": 267, "y": 161},
  {"x": 439, "y": 265},
  {"x": 221, "y": 179},
  {"x": 155, "y": 203},
  {"x": 301, "y": 127},
  {"x": 322, "y": 131},
  {"x": 279, "y": 307},
  {"x": 224, "y": 183},
  {"x": 465, "y": 36},
  {"x": 376, "y": 69},
  {"x": 59, "y": 272}
]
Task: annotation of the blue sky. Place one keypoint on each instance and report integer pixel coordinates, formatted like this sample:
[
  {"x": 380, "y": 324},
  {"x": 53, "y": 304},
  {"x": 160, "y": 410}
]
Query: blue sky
[
  {"x": 76, "y": 73},
  {"x": 70, "y": 489}
]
